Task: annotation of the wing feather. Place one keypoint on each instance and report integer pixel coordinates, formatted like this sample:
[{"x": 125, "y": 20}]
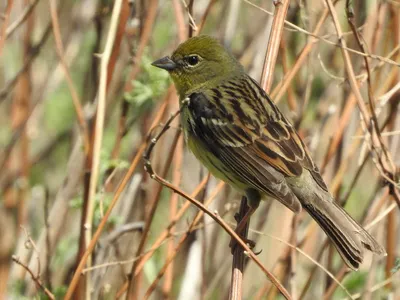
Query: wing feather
[{"x": 250, "y": 137}]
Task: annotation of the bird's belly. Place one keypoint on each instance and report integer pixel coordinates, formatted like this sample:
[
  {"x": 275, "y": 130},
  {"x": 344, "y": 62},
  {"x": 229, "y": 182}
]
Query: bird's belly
[{"x": 213, "y": 164}]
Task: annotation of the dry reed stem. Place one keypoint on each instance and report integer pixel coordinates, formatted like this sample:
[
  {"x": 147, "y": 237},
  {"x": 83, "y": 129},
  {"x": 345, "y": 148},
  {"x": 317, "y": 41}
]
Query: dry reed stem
[
  {"x": 238, "y": 263},
  {"x": 21, "y": 19},
  {"x": 99, "y": 129},
  {"x": 281, "y": 7},
  {"x": 173, "y": 209},
  {"x": 3, "y": 29}
]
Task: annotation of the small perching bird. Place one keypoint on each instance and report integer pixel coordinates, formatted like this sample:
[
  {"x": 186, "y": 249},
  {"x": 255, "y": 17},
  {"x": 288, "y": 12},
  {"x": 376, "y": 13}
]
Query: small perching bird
[{"x": 232, "y": 126}]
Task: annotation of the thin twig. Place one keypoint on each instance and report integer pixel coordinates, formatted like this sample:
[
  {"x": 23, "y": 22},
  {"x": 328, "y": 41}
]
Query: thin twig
[
  {"x": 21, "y": 19},
  {"x": 36, "y": 279},
  {"x": 3, "y": 29}
]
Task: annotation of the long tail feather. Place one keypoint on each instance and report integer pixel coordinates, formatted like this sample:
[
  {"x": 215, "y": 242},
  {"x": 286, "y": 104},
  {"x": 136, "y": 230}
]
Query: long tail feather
[{"x": 347, "y": 235}]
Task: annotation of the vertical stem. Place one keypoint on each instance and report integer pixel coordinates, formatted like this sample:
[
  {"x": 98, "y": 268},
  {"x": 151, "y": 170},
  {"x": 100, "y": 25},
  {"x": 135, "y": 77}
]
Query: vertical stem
[
  {"x": 235, "y": 292},
  {"x": 281, "y": 7}
]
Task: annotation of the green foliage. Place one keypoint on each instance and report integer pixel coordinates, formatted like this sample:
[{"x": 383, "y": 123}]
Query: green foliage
[
  {"x": 60, "y": 291},
  {"x": 76, "y": 202},
  {"x": 5, "y": 136},
  {"x": 317, "y": 89},
  {"x": 66, "y": 250},
  {"x": 17, "y": 289},
  {"x": 353, "y": 282},
  {"x": 104, "y": 200},
  {"x": 149, "y": 86},
  {"x": 396, "y": 266},
  {"x": 59, "y": 110}
]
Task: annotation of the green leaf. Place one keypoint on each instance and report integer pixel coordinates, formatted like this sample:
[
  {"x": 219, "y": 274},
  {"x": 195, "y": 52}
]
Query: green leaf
[{"x": 396, "y": 266}]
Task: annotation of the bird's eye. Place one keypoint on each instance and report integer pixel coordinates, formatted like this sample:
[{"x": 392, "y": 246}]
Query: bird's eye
[{"x": 192, "y": 60}]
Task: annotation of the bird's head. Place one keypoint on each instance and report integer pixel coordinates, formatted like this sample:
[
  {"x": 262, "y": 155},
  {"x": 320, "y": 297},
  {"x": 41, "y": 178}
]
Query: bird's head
[{"x": 197, "y": 61}]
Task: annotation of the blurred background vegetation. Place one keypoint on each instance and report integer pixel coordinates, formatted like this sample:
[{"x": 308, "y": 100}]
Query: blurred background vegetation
[{"x": 50, "y": 62}]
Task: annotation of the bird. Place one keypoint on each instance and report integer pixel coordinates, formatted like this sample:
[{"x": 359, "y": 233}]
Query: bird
[{"x": 236, "y": 131}]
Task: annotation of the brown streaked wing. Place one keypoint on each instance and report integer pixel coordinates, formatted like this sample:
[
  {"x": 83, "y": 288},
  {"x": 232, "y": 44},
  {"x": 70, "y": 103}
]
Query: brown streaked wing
[
  {"x": 235, "y": 146},
  {"x": 283, "y": 133}
]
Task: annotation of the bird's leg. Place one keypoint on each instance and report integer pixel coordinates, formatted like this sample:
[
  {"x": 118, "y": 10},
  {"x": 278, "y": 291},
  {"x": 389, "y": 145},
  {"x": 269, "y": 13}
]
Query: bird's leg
[{"x": 253, "y": 200}]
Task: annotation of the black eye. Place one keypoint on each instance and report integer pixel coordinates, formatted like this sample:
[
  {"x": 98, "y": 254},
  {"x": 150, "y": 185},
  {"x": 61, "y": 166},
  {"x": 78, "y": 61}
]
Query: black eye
[{"x": 192, "y": 60}]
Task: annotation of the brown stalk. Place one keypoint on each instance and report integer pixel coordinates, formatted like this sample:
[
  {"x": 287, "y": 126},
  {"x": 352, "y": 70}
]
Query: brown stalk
[
  {"x": 324, "y": 39},
  {"x": 20, "y": 112},
  {"x": 346, "y": 114},
  {"x": 16, "y": 198},
  {"x": 205, "y": 15},
  {"x": 191, "y": 20},
  {"x": 281, "y": 7},
  {"x": 180, "y": 20},
  {"x": 238, "y": 263},
  {"x": 89, "y": 157},
  {"x": 392, "y": 228},
  {"x": 173, "y": 209},
  {"x": 120, "y": 188},
  {"x": 3, "y": 30},
  {"x": 93, "y": 153},
  {"x": 291, "y": 96},
  {"x": 267, "y": 77},
  {"x": 144, "y": 39},
  {"x": 22, "y": 18}
]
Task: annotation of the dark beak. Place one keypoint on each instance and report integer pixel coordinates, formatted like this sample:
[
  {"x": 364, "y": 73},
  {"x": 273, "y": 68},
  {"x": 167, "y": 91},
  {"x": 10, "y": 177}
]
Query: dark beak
[{"x": 165, "y": 63}]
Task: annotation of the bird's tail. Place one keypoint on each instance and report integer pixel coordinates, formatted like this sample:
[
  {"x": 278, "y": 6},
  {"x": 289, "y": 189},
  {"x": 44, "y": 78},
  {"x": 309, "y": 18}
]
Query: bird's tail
[{"x": 347, "y": 235}]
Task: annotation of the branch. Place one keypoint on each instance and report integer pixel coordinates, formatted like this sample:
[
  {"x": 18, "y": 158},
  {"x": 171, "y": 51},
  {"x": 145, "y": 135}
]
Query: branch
[{"x": 36, "y": 279}]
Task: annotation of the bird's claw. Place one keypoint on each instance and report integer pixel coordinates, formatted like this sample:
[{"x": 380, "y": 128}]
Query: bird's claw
[{"x": 250, "y": 243}]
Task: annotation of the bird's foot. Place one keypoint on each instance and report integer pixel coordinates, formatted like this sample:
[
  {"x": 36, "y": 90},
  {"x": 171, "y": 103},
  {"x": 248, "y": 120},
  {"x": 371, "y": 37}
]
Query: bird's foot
[{"x": 233, "y": 244}]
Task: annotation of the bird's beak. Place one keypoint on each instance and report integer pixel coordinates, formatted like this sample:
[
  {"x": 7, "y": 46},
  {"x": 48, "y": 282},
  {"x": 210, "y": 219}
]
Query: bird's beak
[{"x": 165, "y": 63}]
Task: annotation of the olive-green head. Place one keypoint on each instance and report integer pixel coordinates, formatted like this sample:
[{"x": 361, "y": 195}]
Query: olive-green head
[{"x": 199, "y": 60}]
